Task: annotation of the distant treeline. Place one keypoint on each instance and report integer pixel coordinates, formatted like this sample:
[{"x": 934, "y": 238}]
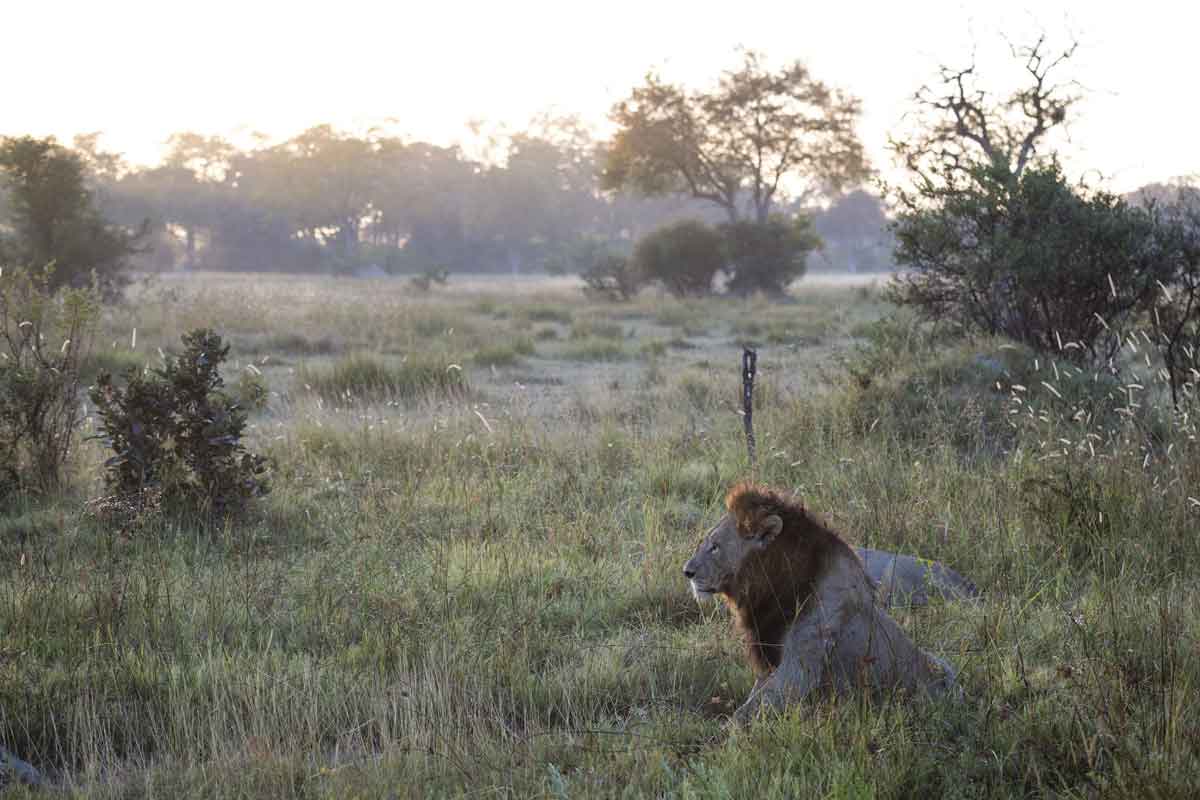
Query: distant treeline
[{"x": 328, "y": 201}]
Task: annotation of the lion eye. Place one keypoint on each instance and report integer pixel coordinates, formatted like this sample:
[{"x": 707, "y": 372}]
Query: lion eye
[{"x": 714, "y": 547}]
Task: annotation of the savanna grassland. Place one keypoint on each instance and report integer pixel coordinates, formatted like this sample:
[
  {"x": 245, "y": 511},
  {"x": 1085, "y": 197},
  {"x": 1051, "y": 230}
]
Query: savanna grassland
[{"x": 466, "y": 578}]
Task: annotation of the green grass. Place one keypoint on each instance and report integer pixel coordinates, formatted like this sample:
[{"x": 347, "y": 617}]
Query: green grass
[
  {"x": 433, "y": 605},
  {"x": 505, "y": 355},
  {"x": 360, "y": 377},
  {"x": 594, "y": 348}
]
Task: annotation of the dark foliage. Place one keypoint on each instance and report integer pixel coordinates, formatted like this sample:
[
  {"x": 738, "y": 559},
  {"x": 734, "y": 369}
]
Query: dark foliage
[
  {"x": 612, "y": 276},
  {"x": 767, "y": 256},
  {"x": 173, "y": 429},
  {"x": 54, "y": 217},
  {"x": 1030, "y": 257},
  {"x": 684, "y": 256}
]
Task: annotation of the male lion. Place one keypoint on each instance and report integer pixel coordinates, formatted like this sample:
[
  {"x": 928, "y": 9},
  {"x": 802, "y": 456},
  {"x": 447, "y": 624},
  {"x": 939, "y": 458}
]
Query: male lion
[{"x": 804, "y": 605}]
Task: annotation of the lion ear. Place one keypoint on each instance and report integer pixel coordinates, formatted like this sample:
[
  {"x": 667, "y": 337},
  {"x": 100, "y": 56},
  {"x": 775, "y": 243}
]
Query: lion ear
[{"x": 770, "y": 527}]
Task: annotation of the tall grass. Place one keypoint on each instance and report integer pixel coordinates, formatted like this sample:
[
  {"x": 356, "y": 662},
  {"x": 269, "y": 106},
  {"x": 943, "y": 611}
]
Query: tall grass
[
  {"x": 361, "y": 377},
  {"x": 430, "y": 606}
]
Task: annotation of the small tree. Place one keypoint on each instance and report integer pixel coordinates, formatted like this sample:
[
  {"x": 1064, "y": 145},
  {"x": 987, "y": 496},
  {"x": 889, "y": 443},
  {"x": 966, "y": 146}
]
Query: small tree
[
  {"x": 172, "y": 429},
  {"x": 993, "y": 237},
  {"x": 54, "y": 217},
  {"x": 767, "y": 257},
  {"x": 45, "y": 336},
  {"x": 684, "y": 256}
]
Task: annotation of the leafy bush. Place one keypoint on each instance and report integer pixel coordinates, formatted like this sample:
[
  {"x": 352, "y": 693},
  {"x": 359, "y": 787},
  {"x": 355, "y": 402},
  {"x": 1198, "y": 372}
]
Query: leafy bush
[
  {"x": 173, "y": 430},
  {"x": 767, "y": 256},
  {"x": 684, "y": 255},
  {"x": 424, "y": 282},
  {"x": 45, "y": 336},
  {"x": 612, "y": 277},
  {"x": 1030, "y": 257}
]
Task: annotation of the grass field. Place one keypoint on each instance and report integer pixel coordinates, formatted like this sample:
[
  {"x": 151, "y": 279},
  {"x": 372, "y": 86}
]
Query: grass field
[{"x": 466, "y": 580}]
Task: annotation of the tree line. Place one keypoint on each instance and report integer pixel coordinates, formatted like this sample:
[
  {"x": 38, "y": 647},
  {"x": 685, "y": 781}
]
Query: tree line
[{"x": 761, "y": 143}]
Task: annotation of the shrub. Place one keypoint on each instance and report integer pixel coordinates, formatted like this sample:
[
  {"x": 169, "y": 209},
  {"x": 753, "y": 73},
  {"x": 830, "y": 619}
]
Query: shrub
[
  {"x": 767, "y": 256},
  {"x": 684, "y": 256},
  {"x": 425, "y": 281},
  {"x": 1029, "y": 257},
  {"x": 175, "y": 432},
  {"x": 45, "y": 336},
  {"x": 611, "y": 277}
]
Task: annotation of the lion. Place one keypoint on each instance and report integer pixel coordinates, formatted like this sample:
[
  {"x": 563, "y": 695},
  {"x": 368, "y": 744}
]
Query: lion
[
  {"x": 910, "y": 581},
  {"x": 804, "y": 606}
]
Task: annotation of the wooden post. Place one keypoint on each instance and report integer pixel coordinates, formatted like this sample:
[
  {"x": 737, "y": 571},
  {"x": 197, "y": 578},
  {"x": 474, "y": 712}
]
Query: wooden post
[{"x": 749, "y": 361}]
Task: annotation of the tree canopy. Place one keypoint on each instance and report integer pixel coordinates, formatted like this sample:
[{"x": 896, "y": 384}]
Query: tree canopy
[
  {"x": 53, "y": 216},
  {"x": 739, "y": 143}
]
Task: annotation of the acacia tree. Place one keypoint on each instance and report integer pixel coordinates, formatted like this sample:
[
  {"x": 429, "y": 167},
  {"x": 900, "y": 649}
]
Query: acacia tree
[
  {"x": 737, "y": 142},
  {"x": 959, "y": 126}
]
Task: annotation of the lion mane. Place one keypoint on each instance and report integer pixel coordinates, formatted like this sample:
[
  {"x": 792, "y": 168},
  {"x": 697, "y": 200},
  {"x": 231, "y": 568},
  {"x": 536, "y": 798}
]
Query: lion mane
[{"x": 804, "y": 605}]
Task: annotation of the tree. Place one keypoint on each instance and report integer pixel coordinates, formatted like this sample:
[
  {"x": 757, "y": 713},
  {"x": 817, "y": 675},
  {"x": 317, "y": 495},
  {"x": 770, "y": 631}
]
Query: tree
[
  {"x": 736, "y": 143},
  {"x": 994, "y": 238},
  {"x": 960, "y": 126},
  {"x": 54, "y": 217},
  {"x": 854, "y": 233}
]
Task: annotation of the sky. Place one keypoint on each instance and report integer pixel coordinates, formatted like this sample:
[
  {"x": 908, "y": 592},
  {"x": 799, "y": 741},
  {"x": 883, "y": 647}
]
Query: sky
[{"x": 139, "y": 71}]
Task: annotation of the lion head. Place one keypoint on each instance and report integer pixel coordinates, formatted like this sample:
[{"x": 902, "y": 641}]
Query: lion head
[{"x": 763, "y": 559}]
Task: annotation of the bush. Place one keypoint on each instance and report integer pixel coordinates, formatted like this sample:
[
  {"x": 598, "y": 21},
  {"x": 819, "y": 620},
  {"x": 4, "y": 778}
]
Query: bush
[
  {"x": 1031, "y": 258},
  {"x": 767, "y": 256},
  {"x": 612, "y": 277},
  {"x": 175, "y": 432},
  {"x": 424, "y": 282},
  {"x": 45, "y": 336},
  {"x": 683, "y": 255}
]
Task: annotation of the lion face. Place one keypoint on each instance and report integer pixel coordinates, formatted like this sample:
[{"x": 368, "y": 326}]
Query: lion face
[{"x": 712, "y": 570}]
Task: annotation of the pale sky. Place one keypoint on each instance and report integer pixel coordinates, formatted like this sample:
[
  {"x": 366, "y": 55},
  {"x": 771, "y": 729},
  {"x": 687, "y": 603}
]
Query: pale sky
[{"x": 139, "y": 71}]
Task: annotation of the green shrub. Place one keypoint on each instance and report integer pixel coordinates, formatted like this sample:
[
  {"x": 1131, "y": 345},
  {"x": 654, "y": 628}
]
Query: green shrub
[
  {"x": 767, "y": 256},
  {"x": 612, "y": 277},
  {"x": 45, "y": 336},
  {"x": 426, "y": 280},
  {"x": 1033, "y": 258},
  {"x": 174, "y": 431},
  {"x": 684, "y": 256}
]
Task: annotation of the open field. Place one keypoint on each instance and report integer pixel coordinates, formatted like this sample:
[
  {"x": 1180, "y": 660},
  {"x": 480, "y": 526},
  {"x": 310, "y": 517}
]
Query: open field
[{"x": 473, "y": 587}]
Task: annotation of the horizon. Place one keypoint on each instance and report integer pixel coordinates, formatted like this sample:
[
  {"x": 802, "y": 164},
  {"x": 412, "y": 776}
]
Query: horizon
[{"x": 426, "y": 73}]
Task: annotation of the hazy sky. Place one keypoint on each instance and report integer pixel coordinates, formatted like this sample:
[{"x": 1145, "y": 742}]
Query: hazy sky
[{"x": 141, "y": 70}]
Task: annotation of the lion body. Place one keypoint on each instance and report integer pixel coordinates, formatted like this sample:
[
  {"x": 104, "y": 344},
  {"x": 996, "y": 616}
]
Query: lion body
[
  {"x": 805, "y": 606},
  {"x": 904, "y": 580}
]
